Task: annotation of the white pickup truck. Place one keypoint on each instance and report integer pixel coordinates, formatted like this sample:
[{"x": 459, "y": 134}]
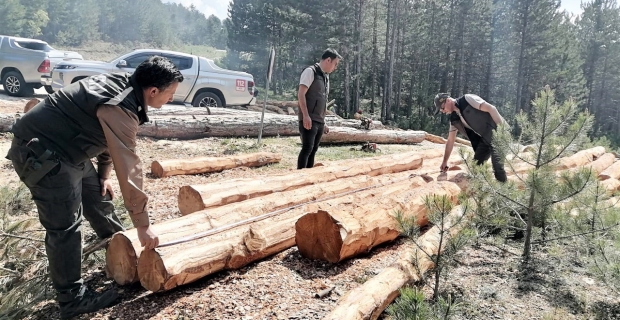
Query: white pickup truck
[{"x": 204, "y": 85}]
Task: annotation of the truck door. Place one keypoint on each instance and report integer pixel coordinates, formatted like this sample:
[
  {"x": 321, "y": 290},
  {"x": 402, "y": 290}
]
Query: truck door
[{"x": 189, "y": 70}]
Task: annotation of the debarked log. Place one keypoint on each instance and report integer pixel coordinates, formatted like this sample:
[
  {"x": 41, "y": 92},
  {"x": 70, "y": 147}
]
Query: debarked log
[
  {"x": 173, "y": 167},
  {"x": 342, "y": 232}
]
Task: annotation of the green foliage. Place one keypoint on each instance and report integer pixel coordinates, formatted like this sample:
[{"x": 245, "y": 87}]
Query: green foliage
[{"x": 411, "y": 305}]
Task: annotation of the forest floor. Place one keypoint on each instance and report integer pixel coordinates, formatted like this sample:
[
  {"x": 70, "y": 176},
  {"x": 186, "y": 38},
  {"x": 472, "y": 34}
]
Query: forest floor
[{"x": 487, "y": 280}]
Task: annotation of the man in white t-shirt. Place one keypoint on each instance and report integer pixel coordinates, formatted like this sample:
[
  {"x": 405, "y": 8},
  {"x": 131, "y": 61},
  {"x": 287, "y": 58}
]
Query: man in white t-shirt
[
  {"x": 476, "y": 119},
  {"x": 312, "y": 99}
]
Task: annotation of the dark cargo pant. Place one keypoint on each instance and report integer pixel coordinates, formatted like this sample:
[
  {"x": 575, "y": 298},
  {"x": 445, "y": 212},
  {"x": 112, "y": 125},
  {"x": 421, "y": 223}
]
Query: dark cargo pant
[
  {"x": 62, "y": 197},
  {"x": 310, "y": 140},
  {"x": 483, "y": 151}
]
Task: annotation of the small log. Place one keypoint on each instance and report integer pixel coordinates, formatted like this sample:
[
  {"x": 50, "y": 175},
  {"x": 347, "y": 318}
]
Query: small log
[
  {"x": 340, "y": 233},
  {"x": 613, "y": 172},
  {"x": 6, "y": 122},
  {"x": 611, "y": 185},
  {"x": 463, "y": 141},
  {"x": 435, "y": 139},
  {"x": 351, "y": 135},
  {"x": 173, "y": 167},
  {"x": 290, "y": 111},
  {"x": 199, "y": 197},
  {"x": 369, "y": 300},
  {"x": 168, "y": 267}
]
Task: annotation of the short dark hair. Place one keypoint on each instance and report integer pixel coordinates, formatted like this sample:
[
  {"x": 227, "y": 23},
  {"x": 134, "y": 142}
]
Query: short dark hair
[
  {"x": 331, "y": 54},
  {"x": 158, "y": 72}
]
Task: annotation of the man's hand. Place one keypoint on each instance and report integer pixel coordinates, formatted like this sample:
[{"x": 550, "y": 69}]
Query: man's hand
[
  {"x": 148, "y": 239},
  {"x": 443, "y": 167},
  {"x": 106, "y": 186},
  {"x": 307, "y": 122},
  {"x": 325, "y": 129}
]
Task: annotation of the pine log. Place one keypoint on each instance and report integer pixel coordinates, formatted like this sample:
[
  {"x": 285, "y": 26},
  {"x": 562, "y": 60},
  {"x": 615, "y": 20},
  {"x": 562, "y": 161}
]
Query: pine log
[
  {"x": 369, "y": 300},
  {"x": 275, "y": 109},
  {"x": 463, "y": 141},
  {"x": 124, "y": 248},
  {"x": 581, "y": 158},
  {"x": 435, "y": 139},
  {"x": 342, "y": 232},
  {"x": 168, "y": 267},
  {"x": 199, "y": 197},
  {"x": 613, "y": 172},
  {"x": 243, "y": 124},
  {"x": 351, "y": 135},
  {"x": 599, "y": 165},
  {"x": 611, "y": 185},
  {"x": 173, "y": 167},
  {"x": 290, "y": 111}
]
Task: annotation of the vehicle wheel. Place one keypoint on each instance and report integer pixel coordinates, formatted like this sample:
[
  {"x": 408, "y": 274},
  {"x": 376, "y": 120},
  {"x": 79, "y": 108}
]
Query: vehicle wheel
[
  {"x": 14, "y": 85},
  {"x": 49, "y": 89},
  {"x": 207, "y": 100}
]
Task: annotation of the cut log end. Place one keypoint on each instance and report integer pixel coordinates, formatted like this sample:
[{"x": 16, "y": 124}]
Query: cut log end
[
  {"x": 157, "y": 170},
  {"x": 152, "y": 271},
  {"x": 190, "y": 200},
  {"x": 325, "y": 246},
  {"x": 121, "y": 260}
]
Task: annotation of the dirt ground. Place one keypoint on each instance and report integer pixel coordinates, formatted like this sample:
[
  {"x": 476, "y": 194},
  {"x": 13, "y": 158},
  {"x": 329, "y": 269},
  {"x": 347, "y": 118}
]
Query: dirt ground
[{"x": 487, "y": 280}]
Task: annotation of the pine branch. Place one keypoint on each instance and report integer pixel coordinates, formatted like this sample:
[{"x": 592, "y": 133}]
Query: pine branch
[{"x": 576, "y": 235}]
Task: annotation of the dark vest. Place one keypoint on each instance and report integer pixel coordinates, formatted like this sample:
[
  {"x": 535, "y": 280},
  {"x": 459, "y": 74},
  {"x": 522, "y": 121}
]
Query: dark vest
[
  {"x": 66, "y": 121},
  {"x": 481, "y": 122},
  {"x": 316, "y": 97}
]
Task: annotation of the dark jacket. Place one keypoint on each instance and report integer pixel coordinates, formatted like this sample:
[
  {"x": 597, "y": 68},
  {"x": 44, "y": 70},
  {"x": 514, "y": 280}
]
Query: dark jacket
[
  {"x": 316, "y": 96},
  {"x": 66, "y": 122},
  {"x": 481, "y": 122}
]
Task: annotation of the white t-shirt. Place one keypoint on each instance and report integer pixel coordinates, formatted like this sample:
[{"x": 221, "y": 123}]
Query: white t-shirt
[{"x": 307, "y": 77}]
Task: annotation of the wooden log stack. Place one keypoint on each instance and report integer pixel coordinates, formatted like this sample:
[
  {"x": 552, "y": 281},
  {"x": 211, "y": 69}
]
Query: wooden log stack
[{"x": 173, "y": 167}]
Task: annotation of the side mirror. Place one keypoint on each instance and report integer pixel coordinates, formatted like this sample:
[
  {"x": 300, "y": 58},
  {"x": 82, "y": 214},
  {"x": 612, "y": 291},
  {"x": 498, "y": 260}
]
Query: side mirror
[
  {"x": 255, "y": 92},
  {"x": 122, "y": 64}
]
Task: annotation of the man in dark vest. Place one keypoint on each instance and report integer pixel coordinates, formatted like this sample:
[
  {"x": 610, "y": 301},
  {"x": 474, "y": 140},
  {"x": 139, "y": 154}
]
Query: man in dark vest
[
  {"x": 51, "y": 152},
  {"x": 312, "y": 98},
  {"x": 476, "y": 119}
]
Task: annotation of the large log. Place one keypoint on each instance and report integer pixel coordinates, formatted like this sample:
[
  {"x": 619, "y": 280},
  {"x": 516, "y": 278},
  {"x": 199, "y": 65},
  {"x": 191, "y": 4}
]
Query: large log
[
  {"x": 611, "y": 185},
  {"x": 243, "y": 124},
  {"x": 168, "y": 267},
  {"x": 369, "y": 300},
  {"x": 581, "y": 158},
  {"x": 599, "y": 165},
  {"x": 613, "y": 172},
  {"x": 124, "y": 248},
  {"x": 352, "y": 135},
  {"x": 173, "y": 167},
  {"x": 340, "y": 233},
  {"x": 199, "y": 197}
]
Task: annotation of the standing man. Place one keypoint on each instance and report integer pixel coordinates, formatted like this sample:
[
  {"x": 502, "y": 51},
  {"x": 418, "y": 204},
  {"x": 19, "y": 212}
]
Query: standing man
[
  {"x": 312, "y": 99},
  {"x": 51, "y": 151},
  {"x": 476, "y": 119}
]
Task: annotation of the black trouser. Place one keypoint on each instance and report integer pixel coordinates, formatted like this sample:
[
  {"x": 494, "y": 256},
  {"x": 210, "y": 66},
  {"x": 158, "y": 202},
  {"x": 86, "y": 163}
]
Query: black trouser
[
  {"x": 483, "y": 151},
  {"x": 62, "y": 197},
  {"x": 310, "y": 140}
]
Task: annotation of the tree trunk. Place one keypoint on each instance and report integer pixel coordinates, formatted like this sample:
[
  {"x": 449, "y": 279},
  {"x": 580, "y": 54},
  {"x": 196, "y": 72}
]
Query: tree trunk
[
  {"x": 199, "y": 197},
  {"x": 173, "y": 167},
  {"x": 233, "y": 125},
  {"x": 522, "y": 54},
  {"x": 351, "y": 135},
  {"x": 375, "y": 58},
  {"x": 342, "y": 232},
  {"x": 172, "y": 266},
  {"x": 369, "y": 300}
]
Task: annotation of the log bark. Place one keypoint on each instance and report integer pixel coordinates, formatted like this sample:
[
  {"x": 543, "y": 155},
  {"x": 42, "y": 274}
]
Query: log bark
[
  {"x": 351, "y": 135},
  {"x": 199, "y": 197},
  {"x": 124, "y": 248},
  {"x": 613, "y": 172},
  {"x": 243, "y": 124},
  {"x": 369, "y": 300},
  {"x": 340, "y": 233},
  {"x": 173, "y": 167},
  {"x": 168, "y": 267}
]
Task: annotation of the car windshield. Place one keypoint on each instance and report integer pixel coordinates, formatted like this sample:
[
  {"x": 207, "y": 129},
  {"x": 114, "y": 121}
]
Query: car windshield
[{"x": 35, "y": 45}]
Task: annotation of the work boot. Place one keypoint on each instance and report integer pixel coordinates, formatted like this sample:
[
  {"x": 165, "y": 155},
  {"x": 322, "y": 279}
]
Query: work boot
[{"x": 87, "y": 301}]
